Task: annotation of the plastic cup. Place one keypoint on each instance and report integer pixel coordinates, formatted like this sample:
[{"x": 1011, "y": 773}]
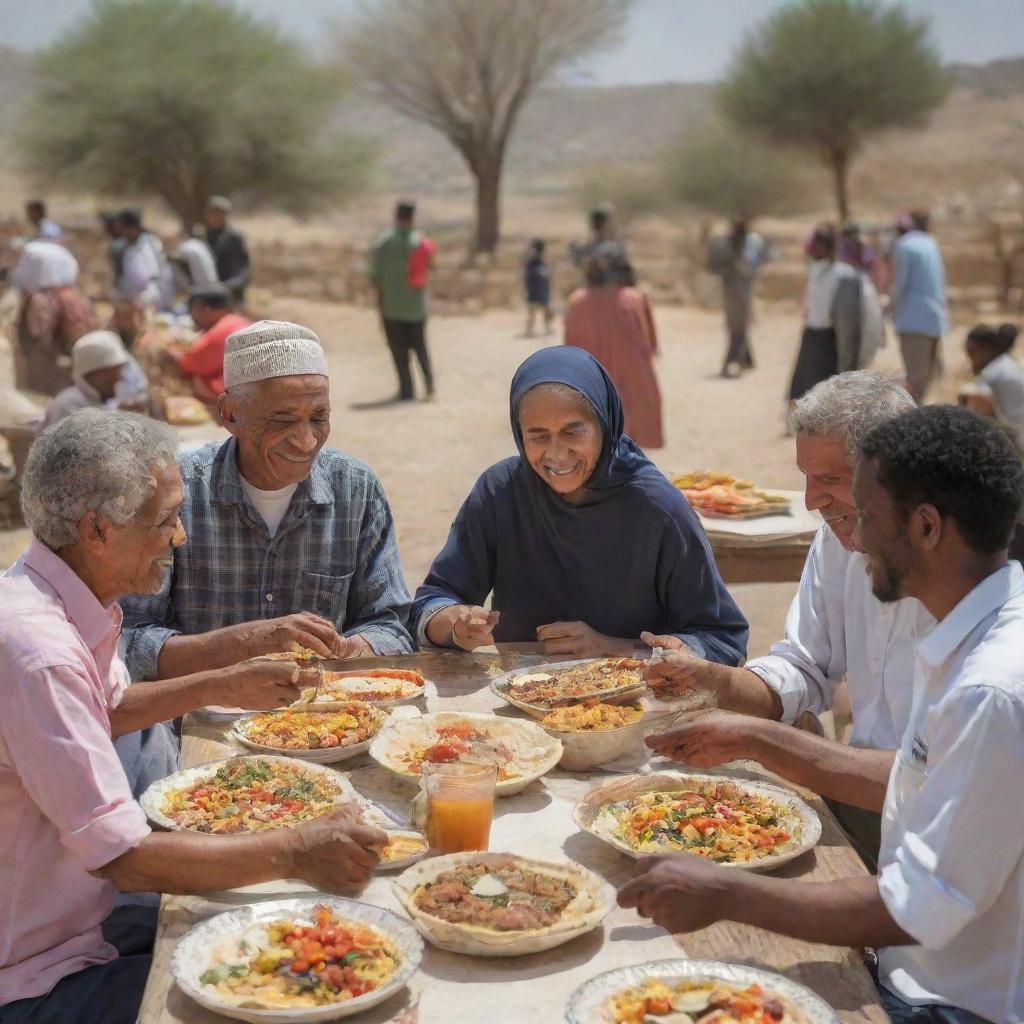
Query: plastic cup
[{"x": 460, "y": 805}]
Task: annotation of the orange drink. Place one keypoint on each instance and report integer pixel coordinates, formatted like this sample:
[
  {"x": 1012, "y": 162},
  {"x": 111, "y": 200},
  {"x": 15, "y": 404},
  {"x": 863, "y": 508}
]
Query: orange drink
[{"x": 460, "y": 805}]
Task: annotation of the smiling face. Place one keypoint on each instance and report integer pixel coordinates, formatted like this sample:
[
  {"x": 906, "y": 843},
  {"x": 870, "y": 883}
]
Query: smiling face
[
  {"x": 281, "y": 424},
  {"x": 828, "y": 484},
  {"x": 137, "y": 556},
  {"x": 883, "y": 535},
  {"x": 562, "y": 439}
]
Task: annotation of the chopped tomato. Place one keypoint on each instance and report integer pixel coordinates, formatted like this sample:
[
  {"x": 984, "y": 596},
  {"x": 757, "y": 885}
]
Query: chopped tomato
[{"x": 440, "y": 753}]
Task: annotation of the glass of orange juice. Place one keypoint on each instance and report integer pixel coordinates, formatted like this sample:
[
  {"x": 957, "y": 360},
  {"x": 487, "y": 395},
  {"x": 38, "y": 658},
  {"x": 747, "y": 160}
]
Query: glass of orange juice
[{"x": 460, "y": 805}]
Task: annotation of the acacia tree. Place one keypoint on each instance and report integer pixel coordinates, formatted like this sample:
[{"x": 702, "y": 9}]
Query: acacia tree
[
  {"x": 827, "y": 74},
  {"x": 730, "y": 175},
  {"x": 467, "y": 67},
  {"x": 181, "y": 99}
]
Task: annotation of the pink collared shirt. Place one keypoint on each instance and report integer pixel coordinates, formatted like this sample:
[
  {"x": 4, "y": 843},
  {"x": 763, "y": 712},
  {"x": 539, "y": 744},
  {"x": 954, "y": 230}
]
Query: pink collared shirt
[{"x": 65, "y": 805}]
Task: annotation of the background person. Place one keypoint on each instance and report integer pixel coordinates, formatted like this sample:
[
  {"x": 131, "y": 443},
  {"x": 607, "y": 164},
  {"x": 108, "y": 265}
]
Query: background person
[
  {"x": 202, "y": 363},
  {"x": 42, "y": 226},
  {"x": 54, "y": 314},
  {"x": 230, "y": 251},
  {"x": 918, "y": 294},
  {"x": 146, "y": 276},
  {"x": 737, "y": 258},
  {"x": 581, "y": 540},
  {"x": 98, "y": 362},
  {"x": 611, "y": 319},
  {"x": 989, "y": 350},
  {"x": 537, "y": 287},
  {"x": 831, "y": 332},
  {"x": 403, "y": 302},
  {"x": 101, "y": 495}
]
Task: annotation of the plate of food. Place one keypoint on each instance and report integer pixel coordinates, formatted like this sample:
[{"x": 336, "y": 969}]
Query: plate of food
[
  {"x": 297, "y": 960},
  {"x": 721, "y": 495},
  {"x": 593, "y": 733},
  {"x": 686, "y": 991},
  {"x": 322, "y": 735},
  {"x": 251, "y": 794},
  {"x": 501, "y": 904},
  {"x": 382, "y": 687},
  {"x": 522, "y": 750},
  {"x": 734, "y": 822},
  {"x": 538, "y": 689}
]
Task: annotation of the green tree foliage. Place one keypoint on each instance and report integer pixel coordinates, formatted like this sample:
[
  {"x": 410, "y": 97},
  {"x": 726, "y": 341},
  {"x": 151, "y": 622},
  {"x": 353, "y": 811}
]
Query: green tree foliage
[
  {"x": 631, "y": 192},
  {"x": 731, "y": 175},
  {"x": 181, "y": 99},
  {"x": 827, "y": 74}
]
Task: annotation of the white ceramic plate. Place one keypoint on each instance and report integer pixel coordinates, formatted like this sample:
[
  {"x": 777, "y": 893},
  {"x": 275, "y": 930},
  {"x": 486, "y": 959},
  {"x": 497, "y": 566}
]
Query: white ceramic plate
[
  {"x": 501, "y": 686},
  {"x": 587, "y": 1003},
  {"x": 320, "y": 755},
  {"x": 594, "y": 900},
  {"x": 536, "y": 752},
  {"x": 805, "y": 824},
  {"x": 192, "y": 955}
]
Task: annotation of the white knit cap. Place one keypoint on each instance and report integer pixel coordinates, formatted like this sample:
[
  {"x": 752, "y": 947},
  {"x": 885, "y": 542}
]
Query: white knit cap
[
  {"x": 97, "y": 350},
  {"x": 271, "y": 348}
]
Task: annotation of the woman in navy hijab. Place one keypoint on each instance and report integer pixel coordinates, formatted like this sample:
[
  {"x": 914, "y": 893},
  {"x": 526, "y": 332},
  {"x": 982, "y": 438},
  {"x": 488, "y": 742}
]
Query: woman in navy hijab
[{"x": 582, "y": 540}]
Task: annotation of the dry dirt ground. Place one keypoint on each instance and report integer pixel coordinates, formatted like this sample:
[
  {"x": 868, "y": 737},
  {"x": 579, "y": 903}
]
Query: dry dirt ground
[{"x": 429, "y": 453}]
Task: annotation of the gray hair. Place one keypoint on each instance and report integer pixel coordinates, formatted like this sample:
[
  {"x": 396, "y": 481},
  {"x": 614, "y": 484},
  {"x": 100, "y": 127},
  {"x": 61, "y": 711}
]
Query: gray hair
[
  {"x": 849, "y": 406},
  {"x": 92, "y": 461}
]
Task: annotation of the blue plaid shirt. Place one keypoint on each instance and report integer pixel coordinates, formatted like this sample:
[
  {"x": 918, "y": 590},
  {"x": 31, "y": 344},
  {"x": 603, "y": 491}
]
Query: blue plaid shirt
[{"x": 334, "y": 554}]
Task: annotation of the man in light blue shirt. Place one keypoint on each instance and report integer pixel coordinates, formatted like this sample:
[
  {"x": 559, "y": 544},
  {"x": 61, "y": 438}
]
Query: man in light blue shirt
[{"x": 918, "y": 294}]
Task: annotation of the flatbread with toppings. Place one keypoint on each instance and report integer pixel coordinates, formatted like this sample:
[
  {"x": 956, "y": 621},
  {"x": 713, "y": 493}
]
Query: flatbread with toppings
[
  {"x": 300, "y": 730},
  {"x": 500, "y": 904},
  {"x": 709, "y": 1002},
  {"x": 722, "y": 495},
  {"x": 374, "y": 686}
]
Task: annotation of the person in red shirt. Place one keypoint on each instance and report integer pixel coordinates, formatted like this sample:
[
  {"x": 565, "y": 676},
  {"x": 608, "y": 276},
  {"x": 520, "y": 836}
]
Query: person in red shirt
[{"x": 202, "y": 363}]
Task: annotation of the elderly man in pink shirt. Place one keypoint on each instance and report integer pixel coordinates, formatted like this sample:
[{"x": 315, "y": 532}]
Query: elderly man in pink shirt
[{"x": 101, "y": 493}]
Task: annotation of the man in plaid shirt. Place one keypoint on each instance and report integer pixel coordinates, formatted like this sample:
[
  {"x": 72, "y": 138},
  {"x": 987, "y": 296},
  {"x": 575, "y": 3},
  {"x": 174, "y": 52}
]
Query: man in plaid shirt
[{"x": 287, "y": 542}]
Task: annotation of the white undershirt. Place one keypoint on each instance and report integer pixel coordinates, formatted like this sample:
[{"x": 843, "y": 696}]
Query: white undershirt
[{"x": 271, "y": 505}]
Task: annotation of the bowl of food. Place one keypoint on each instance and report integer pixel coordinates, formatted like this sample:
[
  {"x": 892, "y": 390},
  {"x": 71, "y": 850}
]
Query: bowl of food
[
  {"x": 314, "y": 959},
  {"x": 738, "y": 823},
  {"x": 594, "y": 733},
  {"x": 538, "y": 689},
  {"x": 501, "y": 904},
  {"x": 522, "y": 750},
  {"x": 322, "y": 735},
  {"x": 687, "y": 991}
]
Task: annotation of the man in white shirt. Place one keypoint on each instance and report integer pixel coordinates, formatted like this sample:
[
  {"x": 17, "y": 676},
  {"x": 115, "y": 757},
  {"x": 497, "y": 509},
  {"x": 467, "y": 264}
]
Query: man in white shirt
[
  {"x": 146, "y": 274},
  {"x": 836, "y": 627},
  {"x": 938, "y": 491}
]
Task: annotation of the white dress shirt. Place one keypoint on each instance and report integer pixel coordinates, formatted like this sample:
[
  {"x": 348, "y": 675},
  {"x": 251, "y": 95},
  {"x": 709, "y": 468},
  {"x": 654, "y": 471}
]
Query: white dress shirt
[
  {"x": 1005, "y": 379},
  {"x": 951, "y": 870},
  {"x": 837, "y": 628}
]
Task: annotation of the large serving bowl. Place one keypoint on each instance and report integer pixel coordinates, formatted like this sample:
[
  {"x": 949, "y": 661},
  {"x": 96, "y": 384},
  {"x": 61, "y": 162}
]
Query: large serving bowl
[
  {"x": 594, "y": 900},
  {"x": 801, "y": 821},
  {"x": 192, "y": 956},
  {"x": 589, "y": 1004},
  {"x": 533, "y": 752}
]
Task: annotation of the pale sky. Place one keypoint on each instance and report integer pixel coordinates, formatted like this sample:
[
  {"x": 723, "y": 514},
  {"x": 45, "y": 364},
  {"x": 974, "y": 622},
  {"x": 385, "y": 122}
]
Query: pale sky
[{"x": 687, "y": 40}]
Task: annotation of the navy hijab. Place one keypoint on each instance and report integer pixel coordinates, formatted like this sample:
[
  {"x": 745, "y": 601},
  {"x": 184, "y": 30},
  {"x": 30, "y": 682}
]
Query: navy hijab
[
  {"x": 630, "y": 557},
  {"x": 621, "y": 459}
]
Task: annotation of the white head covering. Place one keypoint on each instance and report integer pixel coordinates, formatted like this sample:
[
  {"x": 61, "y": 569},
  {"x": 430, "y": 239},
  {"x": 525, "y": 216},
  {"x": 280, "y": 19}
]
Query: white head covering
[
  {"x": 44, "y": 265},
  {"x": 271, "y": 348},
  {"x": 97, "y": 350}
]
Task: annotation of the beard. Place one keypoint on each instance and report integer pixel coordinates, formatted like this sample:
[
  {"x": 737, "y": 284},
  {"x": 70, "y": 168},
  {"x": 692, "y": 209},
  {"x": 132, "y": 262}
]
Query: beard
[{"x": 890, "y": 587}]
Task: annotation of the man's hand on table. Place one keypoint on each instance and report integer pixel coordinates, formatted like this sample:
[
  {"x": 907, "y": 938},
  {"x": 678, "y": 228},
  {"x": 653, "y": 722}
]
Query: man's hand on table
[
  {"x": 261, "y": 683},
  {"x": 338, "y": 851},
  {"x": 682, "y": 893},
  {"x": 465, "y": 626},
  {"x": 581, "y": 641},
  {"x": 707, "y": 739}
]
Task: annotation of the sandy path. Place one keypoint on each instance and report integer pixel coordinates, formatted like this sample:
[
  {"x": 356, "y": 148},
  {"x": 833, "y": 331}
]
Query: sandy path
[{"x": 429, "y": 454}]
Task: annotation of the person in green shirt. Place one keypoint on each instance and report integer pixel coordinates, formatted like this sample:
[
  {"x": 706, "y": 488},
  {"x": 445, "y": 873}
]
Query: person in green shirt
[{"x": 398, "y": 269}]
